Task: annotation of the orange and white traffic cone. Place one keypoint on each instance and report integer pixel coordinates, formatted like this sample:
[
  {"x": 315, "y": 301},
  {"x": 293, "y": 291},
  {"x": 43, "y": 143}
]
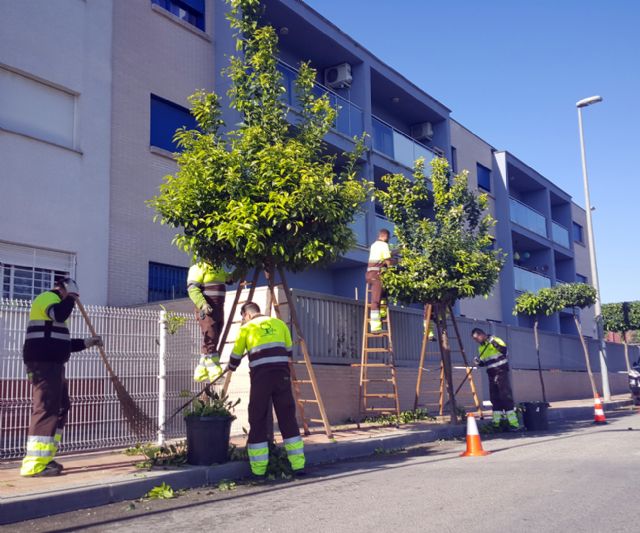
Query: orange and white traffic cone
[
  {"x": 598, "y": 417},
  {"x": 474, "y": 445}
]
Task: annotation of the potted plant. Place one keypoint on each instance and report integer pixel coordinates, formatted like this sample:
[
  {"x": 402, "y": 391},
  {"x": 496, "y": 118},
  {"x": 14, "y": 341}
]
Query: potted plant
[{"x": 208, "y": 428}]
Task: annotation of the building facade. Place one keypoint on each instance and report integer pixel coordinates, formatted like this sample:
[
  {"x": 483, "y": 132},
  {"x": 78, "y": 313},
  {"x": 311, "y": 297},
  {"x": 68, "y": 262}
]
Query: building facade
[{"x": 112, "y": 92}]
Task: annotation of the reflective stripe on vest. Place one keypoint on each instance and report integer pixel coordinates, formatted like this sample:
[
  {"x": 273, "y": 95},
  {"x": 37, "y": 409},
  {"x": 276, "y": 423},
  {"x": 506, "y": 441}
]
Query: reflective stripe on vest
[{"x": 268, "y": 360}]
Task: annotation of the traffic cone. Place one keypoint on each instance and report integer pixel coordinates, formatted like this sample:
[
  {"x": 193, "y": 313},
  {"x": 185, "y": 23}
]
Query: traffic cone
[
  {"x": 474, "y": 446},
  {"x": 598, "y": 417}
]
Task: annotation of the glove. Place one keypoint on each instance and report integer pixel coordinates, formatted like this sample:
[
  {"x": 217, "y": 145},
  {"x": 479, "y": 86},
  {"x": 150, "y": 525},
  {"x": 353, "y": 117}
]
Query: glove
[
  {"x": 93, "y": 341},
  {"x": 71, "y": 287},
  {"x": 230, "y": 368},
  {"x": 477, "y": 361},
  {"x": 205, "y": 310}
]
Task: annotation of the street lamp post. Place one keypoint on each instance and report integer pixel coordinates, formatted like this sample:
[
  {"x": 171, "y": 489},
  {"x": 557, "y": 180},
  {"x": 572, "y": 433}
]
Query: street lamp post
[{"x": 606, "y": 391}]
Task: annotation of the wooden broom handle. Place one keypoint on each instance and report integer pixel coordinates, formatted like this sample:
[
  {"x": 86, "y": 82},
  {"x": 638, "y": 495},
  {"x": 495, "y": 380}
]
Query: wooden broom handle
[{"x": 92, "y": 330}]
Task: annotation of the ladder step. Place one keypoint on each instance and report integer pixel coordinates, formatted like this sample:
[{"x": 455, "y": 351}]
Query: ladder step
[
  {"x": 377, "y": 350},
  {"x": 377, "y": 335},
  {"x": 374, "y": 365},
  {"x": 302, "y": 400},
  {"x": 380, "y": 409},
  {"x": 379, "y": 395},
  {"x": 315, "y": 420},
  {"x": 376, "y": 380},
  {"x": 302, "y": 382}
]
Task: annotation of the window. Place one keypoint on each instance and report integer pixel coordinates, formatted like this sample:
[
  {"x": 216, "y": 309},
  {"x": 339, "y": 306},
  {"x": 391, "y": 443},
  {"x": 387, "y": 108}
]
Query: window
[
  {"x": 191, "y": 11},
  {"x": 167, "y": 282},
  {"x": 578, "y": 234},
  {"x": 581, "y": 279},
  {"x": 454, "y": 160},
  {"x": 33, "y": 108},
  {"x": 27, "y": 271},
  {"x": 382, "y": 138},
  {"x": 166, "y": 118},
  {"x": 484, "y": 177}
]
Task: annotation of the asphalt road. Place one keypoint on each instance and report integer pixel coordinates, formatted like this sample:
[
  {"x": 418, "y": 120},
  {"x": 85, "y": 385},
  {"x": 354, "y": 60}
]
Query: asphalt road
[{"x": 577, "y": 478}]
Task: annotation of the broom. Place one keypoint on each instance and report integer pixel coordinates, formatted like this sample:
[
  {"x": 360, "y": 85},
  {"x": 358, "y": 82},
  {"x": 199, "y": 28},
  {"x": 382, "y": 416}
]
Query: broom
[{"x": 138, "y": 420}]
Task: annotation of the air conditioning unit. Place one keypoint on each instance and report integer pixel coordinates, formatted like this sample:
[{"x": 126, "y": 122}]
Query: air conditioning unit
[
  {"x": 422, "y": 132},
  {"x": 338, "y": 77}
]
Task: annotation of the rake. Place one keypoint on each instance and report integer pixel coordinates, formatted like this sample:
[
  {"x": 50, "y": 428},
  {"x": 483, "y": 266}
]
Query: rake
[{"x": 137, "y": 419}]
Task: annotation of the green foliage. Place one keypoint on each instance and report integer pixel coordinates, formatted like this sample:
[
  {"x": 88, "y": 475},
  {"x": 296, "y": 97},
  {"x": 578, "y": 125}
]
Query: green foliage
[
  {"x": 621, "y": 317},
  {"x": 213, "y": 405},
  {"x": 238, "y": 454},
  {"x": 406, "y": 417},
  {"x": 161, "y": 492},
  {"x": 544, "y": 302},
  {"x": 279, "y": 466},
  {"x": 225, "y": 485},
  {"x": 446, "y": 256},
  {"x": 576, "y": 295},
  {"x": 159, "y": 456},
  {"x": 265, "y": 194},
  {"x": 173, "y": 320}
]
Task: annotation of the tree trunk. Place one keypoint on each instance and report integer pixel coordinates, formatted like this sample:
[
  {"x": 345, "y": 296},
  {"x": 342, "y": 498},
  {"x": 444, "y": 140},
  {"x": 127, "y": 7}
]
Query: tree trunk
[
  {"x": 586, "y": 356},
  {"x": 537, "y": 339},
  {"x": 445, "y": 354},
  {"x": 626, "y": 351}
]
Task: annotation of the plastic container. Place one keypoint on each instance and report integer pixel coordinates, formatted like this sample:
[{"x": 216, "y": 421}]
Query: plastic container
[
  {"x": 208, "y": 439},
  {"x": 534, "y": 416}
]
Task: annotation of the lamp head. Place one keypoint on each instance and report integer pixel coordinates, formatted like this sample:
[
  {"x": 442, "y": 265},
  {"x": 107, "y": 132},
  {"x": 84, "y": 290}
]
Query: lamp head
[{"x": 589, "y": 101}]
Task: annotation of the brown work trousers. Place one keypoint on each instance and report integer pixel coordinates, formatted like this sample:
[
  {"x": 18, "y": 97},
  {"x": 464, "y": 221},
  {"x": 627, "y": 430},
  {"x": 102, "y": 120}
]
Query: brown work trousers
[
  {"x": 377, "y": 291},
  {"x": 51, "y": 403},
  {"x": 211, "y": 325},
  {"x": 500, "y": 391},
  {"x": 271, "y": 382}
]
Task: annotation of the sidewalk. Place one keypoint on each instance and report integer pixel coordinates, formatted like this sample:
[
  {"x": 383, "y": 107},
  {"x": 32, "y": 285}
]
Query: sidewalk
[{"x": 100, "y": 478}]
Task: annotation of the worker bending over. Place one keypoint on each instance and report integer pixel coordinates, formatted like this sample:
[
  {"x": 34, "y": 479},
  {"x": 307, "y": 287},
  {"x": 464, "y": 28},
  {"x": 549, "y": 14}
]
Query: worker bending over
[{"x": 492, "y": 354}]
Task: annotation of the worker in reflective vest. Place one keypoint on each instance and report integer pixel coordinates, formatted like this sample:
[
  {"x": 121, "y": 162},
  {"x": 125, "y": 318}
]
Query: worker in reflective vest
[
  {"x": 379, "y": 258},
  {"x": 206, "y": 289},
  {"x": 267, "y": 340},
  {"x": 492, "y": 354},
  {"x": 47, "y": 348}
]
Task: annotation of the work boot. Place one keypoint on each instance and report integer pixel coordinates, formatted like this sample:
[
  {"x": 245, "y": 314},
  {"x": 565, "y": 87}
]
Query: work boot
[
  {"x": 300, "y": 472},
  {"x": 57, "y": 464},
  {"x": 52, "y": 469}
]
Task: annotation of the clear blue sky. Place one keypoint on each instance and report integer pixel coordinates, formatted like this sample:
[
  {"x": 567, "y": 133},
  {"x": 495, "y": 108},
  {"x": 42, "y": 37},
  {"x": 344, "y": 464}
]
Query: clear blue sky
[{"x": 511, "y": 71}]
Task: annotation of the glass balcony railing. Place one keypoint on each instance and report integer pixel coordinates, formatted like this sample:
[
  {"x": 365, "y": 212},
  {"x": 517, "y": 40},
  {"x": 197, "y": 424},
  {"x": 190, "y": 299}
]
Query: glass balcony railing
[
  {"x": 526, "y": 280},
  {"x": 560, "y": 234},
  {"x": 384, "y": 223},
  {"x": 529, "y": 218},
  {"x": 349, "y": 117},
  {"x": 398, "y": 146}
]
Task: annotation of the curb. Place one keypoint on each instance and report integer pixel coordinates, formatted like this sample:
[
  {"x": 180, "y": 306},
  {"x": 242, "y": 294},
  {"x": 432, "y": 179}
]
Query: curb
[{"x": 40, "y": 504}]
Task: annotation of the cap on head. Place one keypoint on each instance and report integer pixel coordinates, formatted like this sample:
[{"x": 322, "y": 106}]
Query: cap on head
[{"x": 60, "y": 281}]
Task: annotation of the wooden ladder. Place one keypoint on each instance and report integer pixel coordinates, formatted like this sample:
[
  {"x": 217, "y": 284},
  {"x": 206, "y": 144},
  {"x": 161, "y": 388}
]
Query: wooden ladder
[
  {"x": 305, "y": 391},
  {"x": 453, "y": 339},
  {"x": 378, "y": 344}
]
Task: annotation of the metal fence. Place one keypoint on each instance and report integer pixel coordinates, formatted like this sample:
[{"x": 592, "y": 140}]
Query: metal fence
[
  {"x": 333, "y": 329},
  {"x": 156, "y": 366},
  {"x": 133, "y": 338}
]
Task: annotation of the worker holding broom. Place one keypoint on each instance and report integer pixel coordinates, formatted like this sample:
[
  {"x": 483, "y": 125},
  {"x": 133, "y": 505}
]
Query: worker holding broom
[
  {"x": 206, "y": 288},
  {"x": 267, "y": 340},
  {"x": 47, "y": 348}
]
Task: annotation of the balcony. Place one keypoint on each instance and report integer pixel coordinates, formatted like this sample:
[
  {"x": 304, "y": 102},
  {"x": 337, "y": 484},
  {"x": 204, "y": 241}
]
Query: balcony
[
  {"x": 398, "y": 146},
  {"x": 560, "y": 234},
  {"x": 526, "y": 280},
  {"x": 349, "y": 117},
  {"x": 529, "y": 218}
]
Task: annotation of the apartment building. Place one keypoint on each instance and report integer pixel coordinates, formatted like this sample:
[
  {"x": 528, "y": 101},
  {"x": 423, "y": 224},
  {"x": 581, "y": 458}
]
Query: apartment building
[{"x": 123, "y": 72}]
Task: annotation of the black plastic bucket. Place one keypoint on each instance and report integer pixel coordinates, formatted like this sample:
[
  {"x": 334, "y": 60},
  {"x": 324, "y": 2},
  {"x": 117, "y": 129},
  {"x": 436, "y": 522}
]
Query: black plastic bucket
[
  {"x": 207, "y": 439},
  {"x": 534, "y": 415}
]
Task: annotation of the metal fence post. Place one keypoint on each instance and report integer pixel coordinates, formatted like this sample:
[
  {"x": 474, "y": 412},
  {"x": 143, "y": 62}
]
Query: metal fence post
[{"x": 162, "y": 377}]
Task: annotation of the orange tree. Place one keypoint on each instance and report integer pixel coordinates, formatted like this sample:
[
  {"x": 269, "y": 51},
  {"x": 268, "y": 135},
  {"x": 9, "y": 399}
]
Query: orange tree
[
  {"x": 446, "y": 249},
  {"x": 265, "y": 194}
]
